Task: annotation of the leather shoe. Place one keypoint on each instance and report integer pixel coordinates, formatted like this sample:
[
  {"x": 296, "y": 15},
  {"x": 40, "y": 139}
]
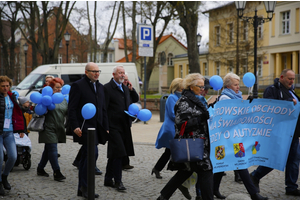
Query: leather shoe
[
  {"x": 156, "y": 172},
  {"x": 127, "y": 167},
  {"x": 83, "y": 193},
  {"x": 97, "y": 171},
  {"x": 218, "y": 195},
  {"x": 293, "y": 193},
  {"x": 119, "y": 186},
  {"x": 237, "y": 177},
  {"x": 255, "y": 181},
  {"x": 109, "y": 183},
  {"x": 257, "y": 196}
]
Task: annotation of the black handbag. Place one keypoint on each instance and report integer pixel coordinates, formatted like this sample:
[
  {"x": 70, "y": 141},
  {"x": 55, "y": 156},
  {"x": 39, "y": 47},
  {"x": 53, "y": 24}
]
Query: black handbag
[
  {"x": 186, "y": 150},
  {"x": 36, "y": 123}
]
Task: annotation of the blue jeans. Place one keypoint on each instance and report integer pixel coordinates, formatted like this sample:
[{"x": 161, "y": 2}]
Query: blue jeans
[
  {"x": 49, "y": 154},
  {"x": 8, "y": 140},
  {"x": 291, "y": 168}
]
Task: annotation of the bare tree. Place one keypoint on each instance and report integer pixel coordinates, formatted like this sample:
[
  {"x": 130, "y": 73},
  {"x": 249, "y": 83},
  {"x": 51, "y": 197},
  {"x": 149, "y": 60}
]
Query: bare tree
[
  {"x": 134, "y": 43},
  {"x": 95, "y": 33},
  {"x": 90, "y": 31},
  {"x": 109, "y": 35},
  {"x": 188, "y": 15},
  {"x": 124, "y": 28}
]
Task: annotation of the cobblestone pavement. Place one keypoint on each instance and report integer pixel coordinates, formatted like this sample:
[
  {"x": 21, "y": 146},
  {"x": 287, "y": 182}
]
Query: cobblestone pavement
[{"x": 138, "y": 181}]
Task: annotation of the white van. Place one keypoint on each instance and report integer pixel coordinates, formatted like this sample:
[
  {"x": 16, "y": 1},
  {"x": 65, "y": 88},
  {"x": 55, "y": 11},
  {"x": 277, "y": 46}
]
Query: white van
[{"x": 71, "y": 73}]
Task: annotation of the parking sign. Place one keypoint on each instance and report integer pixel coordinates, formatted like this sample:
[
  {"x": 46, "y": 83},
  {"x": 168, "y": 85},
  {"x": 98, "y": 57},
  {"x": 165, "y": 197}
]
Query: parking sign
[{"x": 145, "y": 40}]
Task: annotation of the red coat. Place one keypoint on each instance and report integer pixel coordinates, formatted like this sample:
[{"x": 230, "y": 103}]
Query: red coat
[{"x": 17, "y": 116}]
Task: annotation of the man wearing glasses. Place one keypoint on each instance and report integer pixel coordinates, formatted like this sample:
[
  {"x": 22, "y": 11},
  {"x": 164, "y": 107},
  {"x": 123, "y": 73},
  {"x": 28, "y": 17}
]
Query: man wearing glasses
[{"x": 87, "y": 90}]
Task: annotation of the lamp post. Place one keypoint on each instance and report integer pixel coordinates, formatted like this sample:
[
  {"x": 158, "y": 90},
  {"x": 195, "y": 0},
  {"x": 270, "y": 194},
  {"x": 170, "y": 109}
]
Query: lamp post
[
  {"x": 25, "y": 47},
  {"x": 199, "y": 37},
  {"x": 67, "y": 38},
  {"x": 270, "y": 7}
]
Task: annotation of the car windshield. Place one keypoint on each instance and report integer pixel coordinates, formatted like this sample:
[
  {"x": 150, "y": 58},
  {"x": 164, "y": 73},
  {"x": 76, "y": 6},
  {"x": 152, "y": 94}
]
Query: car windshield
[{"x": 33, "y": 81}]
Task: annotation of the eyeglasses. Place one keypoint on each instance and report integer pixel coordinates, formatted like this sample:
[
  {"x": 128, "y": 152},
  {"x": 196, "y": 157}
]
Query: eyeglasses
[
  {"x": 94, "y": 71},
  {"x": 201, "y": 87}
]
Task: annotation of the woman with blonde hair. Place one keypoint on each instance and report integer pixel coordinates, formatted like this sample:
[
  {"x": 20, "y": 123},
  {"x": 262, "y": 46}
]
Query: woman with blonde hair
[{"x": 189, "y": 110}]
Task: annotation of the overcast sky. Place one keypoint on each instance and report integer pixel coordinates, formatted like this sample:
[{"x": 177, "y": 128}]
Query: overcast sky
[{"x": 103, "y": 17}]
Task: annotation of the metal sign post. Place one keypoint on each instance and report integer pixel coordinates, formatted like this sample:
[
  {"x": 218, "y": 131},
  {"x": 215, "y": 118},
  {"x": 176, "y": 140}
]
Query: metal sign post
[{"x": 145, "y": 43}]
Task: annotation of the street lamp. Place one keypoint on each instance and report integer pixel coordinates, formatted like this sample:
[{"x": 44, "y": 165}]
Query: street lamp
[
  {"x": 199, "y": 37},
  {"x": 270, "y": 7},
  {"x": 67, "y": 38},
  {"x": 25, "y": 47}
]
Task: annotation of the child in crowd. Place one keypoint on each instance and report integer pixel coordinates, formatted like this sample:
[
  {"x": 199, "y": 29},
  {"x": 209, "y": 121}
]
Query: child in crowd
[{"x": 27, "y": 112}]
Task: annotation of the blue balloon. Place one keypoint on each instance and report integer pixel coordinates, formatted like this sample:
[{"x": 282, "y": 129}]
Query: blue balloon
[
  {"x": 46, "y": 100},
  {"x": 88, "y": 111},
  {"x": 40, "y": 109},
  {"x": 66, "y": 97},
  {"x": 249, "y": 79},
  {"x": 36, "y": 97},
  {"x": 51, "y": 107},
  {"x": 57, "y": 98},
  {"x": 216, "y": 82},
  {"x": 47, "y": 91},
  {"x": 16, "y": 93},
  {"x": 65, "y": 89},
  {"x": 133, "y": 109},
  {"x": 144, "y": 115}
]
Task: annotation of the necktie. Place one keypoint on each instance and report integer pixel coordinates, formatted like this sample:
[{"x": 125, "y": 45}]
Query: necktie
[
  {"x": 120, "y": 86},
  {"x": 95, "y": 87}
]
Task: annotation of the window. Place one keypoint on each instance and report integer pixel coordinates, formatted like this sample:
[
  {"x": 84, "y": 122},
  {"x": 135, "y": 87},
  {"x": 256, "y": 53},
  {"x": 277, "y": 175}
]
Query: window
[
  {"x": 180, "y": 71},
  {"x": 59, "y": 59},
  {"x": 110, "y": 57},
  {"x": 205, "y": 69},
  {"x": 285, "y": 22},
  {"x": 88, "y": 57},
  {"x": 102, "y": 57},
  {"x": 73, "y": 44},
  {"x": 217, "y": 31},
  {"x": 260, "y": 31},
  {"x": 244, "y": 65},
  {"x": 245, "y": 31},
  {"x": 74, "y": 58},
  {"x": 60, "y": 44},
  {"x": 218, "y": 68},
  {"x": 230, "y": 65},
  {"x": 71, "y": 78},
  {"x": 170, "y": 59},
  {"x": 230, "y": 35},
  {"x": 259, "y": 66}
]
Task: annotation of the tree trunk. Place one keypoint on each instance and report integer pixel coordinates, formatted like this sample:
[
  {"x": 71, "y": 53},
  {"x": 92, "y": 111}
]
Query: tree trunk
[
  {"x": 124, "y": 29},
  {"x": 133, "y": 32},
  {"x": 95, "y": 32}
]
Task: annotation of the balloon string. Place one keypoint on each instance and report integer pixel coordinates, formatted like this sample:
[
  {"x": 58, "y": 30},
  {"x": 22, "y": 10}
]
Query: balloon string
[
  {"x": 82, "y": 124},
  {"x": 248, "y": 91}
]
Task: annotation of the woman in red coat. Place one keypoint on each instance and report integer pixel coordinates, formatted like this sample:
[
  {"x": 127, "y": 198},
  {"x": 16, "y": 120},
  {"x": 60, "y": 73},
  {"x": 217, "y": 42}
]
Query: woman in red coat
[{"x": 11, "y": 121}]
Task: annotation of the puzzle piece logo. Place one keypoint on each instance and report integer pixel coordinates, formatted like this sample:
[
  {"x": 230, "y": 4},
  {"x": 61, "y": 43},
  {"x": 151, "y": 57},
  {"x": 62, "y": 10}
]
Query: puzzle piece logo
[
  {"x": 220, "y": 152},
  {"x": 255, "y": 148},
  {"x": 239, "y": 150}
]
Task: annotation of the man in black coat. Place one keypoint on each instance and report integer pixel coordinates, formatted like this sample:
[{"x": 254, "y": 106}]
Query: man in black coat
[
  {"x": 87, "y": 90},
  {"x": 118, "y": 97},
  {"x": 283, "y": 90}
]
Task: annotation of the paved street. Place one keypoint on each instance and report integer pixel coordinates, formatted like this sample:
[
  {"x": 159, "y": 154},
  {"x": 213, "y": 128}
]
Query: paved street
[{"x": 138, "y": 181}]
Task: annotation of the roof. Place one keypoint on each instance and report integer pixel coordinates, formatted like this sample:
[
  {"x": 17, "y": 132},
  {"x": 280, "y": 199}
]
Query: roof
[
  {"x": 163, "y": 38},
  {"x": 121, "y": 43}
]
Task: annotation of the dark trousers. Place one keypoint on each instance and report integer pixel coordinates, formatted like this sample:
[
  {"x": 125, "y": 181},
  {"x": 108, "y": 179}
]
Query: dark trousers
[
  {"x": 205, "y": 181},
  {"x": 291, "y": 168},
  {"x": 82, "y": 174},
  {"x": 163, "y": 160},
  {"x": 244, "y": 174},
  {"x": 125, "y": 161},
  {"x": 114, "y": 169}
]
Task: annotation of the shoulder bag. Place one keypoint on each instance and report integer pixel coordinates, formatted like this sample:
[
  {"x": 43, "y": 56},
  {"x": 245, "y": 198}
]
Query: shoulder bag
[
  {"x": 36, "y": 123},
  {"x": 186, "y": 150}
]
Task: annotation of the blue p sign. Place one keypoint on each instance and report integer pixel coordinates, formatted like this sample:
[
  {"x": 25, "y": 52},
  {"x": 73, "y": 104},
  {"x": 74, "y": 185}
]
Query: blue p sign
[{"x": 146, "y": 33}]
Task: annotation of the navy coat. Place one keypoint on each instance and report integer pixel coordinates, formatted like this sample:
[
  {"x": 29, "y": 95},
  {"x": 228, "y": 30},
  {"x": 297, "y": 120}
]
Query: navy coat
[
  {"x": 120, "y": 141},
  {"x": 82, "y": 92}
]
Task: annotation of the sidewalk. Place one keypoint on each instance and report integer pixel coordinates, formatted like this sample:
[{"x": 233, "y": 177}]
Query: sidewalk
[{"x": 138, "y": 181}]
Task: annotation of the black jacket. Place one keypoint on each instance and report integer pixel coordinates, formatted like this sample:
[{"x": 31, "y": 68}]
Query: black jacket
[
  {"x": 278, "y": 91},
  {"x": 120, "y": 142},
  {"x": 82, "y": 92}
]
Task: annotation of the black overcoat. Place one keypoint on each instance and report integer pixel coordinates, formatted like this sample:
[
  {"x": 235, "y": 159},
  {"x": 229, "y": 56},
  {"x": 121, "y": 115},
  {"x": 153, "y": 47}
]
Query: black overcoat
[
  {"x": 82, "y": 92},
  {"x": 120, "y": 141}
]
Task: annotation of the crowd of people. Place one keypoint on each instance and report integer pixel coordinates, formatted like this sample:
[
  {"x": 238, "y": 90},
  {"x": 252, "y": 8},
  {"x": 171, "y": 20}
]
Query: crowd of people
[{"x": 186, "y": 105}]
